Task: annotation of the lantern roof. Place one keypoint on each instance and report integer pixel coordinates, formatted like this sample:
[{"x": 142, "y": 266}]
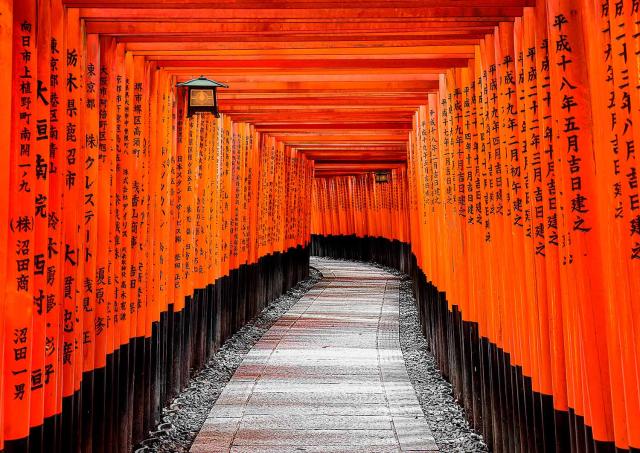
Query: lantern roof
[{"x": 202, "y": 82}]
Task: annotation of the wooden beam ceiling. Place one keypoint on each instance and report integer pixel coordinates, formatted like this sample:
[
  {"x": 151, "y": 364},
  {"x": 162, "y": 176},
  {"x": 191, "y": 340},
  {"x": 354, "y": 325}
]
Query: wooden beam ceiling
[{"x": 337, "y": 81}]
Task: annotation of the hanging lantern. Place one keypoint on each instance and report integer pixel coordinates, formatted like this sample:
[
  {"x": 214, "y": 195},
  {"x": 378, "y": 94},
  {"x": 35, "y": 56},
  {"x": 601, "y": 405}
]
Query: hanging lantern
[
  {"x": 382, "y": 177},
  {"x": 202, "y": 95}
]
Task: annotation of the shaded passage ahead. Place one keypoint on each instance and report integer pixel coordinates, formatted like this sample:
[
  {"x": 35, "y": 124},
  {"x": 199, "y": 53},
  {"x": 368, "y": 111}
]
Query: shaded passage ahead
[{"x": 328, "y": 376}]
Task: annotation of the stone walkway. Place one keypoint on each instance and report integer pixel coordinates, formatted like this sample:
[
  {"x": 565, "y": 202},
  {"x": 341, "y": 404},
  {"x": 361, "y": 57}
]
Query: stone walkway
[{"x": 327, "y": 377}]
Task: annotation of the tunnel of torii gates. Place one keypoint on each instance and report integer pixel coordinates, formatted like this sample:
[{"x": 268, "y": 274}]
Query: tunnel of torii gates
[{"x": 135, "y": 239}]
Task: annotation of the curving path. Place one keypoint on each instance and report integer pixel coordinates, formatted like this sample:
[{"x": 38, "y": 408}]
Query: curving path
[{"x": 327, "y": 377}]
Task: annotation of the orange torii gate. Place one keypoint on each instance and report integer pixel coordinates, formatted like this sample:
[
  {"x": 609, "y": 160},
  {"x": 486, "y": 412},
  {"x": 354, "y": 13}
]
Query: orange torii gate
[{"x": 129, "y": 231}]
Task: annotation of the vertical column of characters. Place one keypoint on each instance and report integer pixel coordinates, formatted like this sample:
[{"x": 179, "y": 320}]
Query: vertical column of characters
[
  {"x": 72, "y": 197},
  {"x": 178, "y": 200},
  {"x": 130, "y": 198},
  {"x": 525, "y": 161},
  {"x": 534, "y": 177},
  {"x": 306, "y": 187},
  {"x": 315, "y": 208},
  {"x": 354, "y": 217},
  {"x": 382, "y": 206},
  {"x": 157, "y": 189},
  {"x": 57, "y": 164},
  {"x": 141, "y": 107},
  {"x": 253, "y": 173},
  {"x": 124, "y": 168},
  {"x": 233, "y": 194},
  {"x": 343, "y": 199},
  {"x": 412, "y": 164},
  {"x": 460, "y": 202},
  {"x": 163, "y": 200},
  {"x": 434, "y": 208},
  {"x": 481, "y": 186},
  {"x": 214, "y": 196},
  {"x": 574, "y": 143},
  {"x": 282, "y": 164},
  {"x": 424, "y": 185},
  {"x": 171, "y": 127},
  {"x": 90, "y": 53},
  {"x": 89, "y": 228},
  {"x": 216, "y": 219},
  {"x": 270, "y": 193},
  {"x": 297, "y": 197},
  {"x": 340, "y": 206},
  {"x": 496, "y": 195},
  {"x": 324, "y": 202},
  {"x": 447, "y": 193},
  {"x": 237, "y": 193},
  {"x": 243, "y": 202},
  {"x": 198, "y": 205},
  {"x": 105, "y": 260},
  {"x": 208, "y": 144},
  {"x": 480, "y": 260},
  {"x": 291, "y": 184},
  {"x": 280, "y": 198},
  {"x": 396, "y": 219},
  {"x": 115, "y": 100},
  {"x": 486, "y": 183},
  {"x": 120, "y": 206},
  {"x": 6, "y": 48},
  {"x": 550, "y": 212},
  {"x": 192, "y": 174},
  {"x": 352, "y": 199},
  {"x": 218, "y": 194},
  {"x": 265, "y": 170},
  {"x": 154, "y": 127},
  {"x": 40, "y": 147},
  {"x": 508, "y": 171},
  {"x": 199, "y": 258},
  {"x": 330, "y": 206},
  {"x": 470, "y": 145},
  {"x": 353, "y": 205},
  {"x": 226, "y": 187},
  {"x": 298, "y": 202},
  {"x": 207, "y": 151},
  {"x": 327, "y": 214},
  {"x": 20, "y": 287}
]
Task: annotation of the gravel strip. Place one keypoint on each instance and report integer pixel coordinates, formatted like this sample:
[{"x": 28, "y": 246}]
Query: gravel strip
[
  {"x": 183, "y": 417},
  {"x": 445, "y": 416}
]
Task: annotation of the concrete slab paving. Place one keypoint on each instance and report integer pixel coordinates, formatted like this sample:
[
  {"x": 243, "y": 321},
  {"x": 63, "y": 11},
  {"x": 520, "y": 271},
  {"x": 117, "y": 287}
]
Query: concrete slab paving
[{"x": 329, "y": 376}]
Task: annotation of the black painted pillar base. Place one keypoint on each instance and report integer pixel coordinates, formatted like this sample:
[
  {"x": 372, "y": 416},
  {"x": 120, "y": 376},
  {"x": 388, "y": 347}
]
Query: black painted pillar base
[{"x": 119, "y": 403}]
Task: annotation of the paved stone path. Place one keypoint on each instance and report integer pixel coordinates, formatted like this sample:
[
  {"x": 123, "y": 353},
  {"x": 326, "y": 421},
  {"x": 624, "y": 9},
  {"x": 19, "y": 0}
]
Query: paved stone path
[{"x": 327, "y": 377}]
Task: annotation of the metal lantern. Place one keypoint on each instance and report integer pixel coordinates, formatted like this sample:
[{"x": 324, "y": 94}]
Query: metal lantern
[
  {"x": 202, "y": 95},
  {"x": 382, "y": 177}
]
